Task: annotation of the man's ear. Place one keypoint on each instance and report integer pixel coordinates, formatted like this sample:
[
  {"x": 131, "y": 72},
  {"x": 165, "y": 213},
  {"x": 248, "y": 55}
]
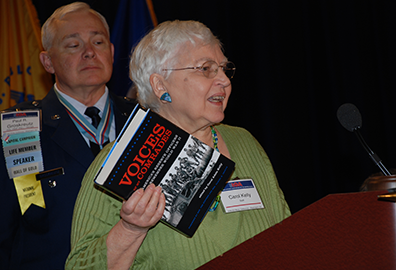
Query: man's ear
[
  {"x": 157, "y": 84},
  {"x": 46, "y": 62},
  {"x": 112, "y": 52}
]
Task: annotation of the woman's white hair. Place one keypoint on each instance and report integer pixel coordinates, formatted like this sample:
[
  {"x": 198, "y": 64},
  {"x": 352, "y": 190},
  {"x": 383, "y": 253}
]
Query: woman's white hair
[
  {"x": 48, "y": 29},
  {"x": 158, "y": 51}
]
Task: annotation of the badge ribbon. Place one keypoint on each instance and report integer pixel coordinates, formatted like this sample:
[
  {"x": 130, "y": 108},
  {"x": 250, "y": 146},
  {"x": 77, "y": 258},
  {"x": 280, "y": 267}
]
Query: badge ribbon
[{"x": 29, "y": 191}]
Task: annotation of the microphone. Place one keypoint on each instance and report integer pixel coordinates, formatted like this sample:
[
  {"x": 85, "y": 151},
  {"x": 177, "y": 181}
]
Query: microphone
[{"x": 350, "y": 118}]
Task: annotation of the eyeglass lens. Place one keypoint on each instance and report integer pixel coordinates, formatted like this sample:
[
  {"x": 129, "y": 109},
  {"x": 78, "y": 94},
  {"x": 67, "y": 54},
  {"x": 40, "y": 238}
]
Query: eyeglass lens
[{"x": 210, "y": 69}]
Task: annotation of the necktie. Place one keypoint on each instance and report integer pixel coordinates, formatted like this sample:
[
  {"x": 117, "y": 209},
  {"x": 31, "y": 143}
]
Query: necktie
[{"x": 93, "y": 112}]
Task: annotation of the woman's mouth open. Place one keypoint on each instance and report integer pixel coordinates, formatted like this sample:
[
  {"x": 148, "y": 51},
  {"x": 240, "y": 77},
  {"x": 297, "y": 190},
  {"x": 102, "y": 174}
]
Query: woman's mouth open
[{"x": 216, "y": 98}]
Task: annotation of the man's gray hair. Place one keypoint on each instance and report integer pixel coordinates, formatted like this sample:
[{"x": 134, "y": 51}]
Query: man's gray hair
[{"x": 48, "y": 29}]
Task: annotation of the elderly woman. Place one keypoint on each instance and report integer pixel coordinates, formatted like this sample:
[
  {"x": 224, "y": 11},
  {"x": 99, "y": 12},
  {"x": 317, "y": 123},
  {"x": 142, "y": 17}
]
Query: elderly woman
[{"x": 181, "y": 73}]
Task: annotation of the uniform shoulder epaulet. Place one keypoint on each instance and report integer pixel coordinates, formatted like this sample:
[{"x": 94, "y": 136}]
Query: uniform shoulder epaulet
[
  {"x": 26, "y": 105},
  {"x": 129, "y": 100}
]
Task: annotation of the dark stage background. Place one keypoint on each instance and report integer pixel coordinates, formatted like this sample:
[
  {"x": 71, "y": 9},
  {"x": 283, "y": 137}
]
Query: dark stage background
[{"x": 297, "y": 62}]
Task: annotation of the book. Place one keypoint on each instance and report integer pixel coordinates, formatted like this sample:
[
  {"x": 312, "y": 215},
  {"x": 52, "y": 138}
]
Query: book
[{"x": 151, "y": 149}]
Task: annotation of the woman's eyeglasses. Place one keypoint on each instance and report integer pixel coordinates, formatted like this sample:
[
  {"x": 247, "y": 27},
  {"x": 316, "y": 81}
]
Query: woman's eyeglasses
[{"x": 211, "y": 68}]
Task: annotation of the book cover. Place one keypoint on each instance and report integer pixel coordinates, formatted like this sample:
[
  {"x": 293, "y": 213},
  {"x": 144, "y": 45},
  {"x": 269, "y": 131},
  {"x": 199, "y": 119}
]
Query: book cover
[{"x": 150, "y": 149}]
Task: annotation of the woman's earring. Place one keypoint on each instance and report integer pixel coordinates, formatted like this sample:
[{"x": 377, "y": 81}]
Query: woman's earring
[{"x": 165, "y": 96}]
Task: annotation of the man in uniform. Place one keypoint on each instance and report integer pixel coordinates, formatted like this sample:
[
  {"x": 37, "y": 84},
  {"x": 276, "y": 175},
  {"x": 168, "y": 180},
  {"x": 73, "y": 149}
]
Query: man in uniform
[{"x": 79, "y": 53}]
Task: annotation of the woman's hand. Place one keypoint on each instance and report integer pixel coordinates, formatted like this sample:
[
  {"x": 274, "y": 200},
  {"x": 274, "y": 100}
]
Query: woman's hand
[
  {"x": 143, "y": 209},
  {"x": 139, "y": 213}
]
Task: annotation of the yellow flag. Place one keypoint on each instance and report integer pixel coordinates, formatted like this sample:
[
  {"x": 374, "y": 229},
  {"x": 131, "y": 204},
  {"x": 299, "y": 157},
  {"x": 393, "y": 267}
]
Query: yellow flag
[
  {"x": 21, "y": 73},
  {"x": 29, "y": 191}
]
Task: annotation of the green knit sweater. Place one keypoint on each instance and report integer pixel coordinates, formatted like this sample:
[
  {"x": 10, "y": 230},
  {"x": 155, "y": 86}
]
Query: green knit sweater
[{"x": 96, "y": 213}]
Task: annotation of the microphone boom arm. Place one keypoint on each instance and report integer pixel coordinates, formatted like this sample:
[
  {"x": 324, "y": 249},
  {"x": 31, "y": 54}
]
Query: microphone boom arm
[{"x": 373, "y": 155}]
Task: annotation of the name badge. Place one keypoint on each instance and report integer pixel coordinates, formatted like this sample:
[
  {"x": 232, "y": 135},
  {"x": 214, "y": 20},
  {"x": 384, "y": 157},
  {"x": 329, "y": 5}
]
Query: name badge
[
  {"x": 240, "y": 195},
  {"x": 20, "y": 122}
]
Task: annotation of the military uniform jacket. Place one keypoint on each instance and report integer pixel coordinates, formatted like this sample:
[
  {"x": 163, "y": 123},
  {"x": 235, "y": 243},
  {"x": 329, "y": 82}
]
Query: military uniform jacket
[{"x": 40, "y": 239}]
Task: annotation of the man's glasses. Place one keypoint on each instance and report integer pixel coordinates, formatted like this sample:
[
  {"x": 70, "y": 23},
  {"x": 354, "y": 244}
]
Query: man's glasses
[{"x": 211, "y": 68}]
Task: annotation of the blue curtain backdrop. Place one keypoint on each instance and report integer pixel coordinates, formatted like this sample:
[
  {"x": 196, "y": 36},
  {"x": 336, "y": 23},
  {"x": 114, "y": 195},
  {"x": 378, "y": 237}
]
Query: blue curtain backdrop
[
  {"x": 133, "y": 20},
  {"x": 297, "y": 62}
]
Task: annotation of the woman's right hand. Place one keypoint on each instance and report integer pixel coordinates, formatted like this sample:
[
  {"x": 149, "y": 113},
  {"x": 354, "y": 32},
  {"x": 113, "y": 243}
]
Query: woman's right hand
[
  {"x": 138, "y": 214},
  {"x": 143, "y": 209}
]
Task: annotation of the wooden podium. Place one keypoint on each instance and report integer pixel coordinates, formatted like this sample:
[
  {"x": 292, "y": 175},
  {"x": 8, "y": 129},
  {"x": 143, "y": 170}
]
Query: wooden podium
[{"x": 340, "y": 231}]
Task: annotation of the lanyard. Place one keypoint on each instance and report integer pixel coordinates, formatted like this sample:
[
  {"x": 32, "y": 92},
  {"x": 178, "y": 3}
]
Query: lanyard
[{"x": 97, "y": 135}]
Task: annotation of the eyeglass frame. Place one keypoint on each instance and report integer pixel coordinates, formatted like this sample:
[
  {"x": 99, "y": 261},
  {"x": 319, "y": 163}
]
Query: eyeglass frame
[{"x": 200, "y": 68}]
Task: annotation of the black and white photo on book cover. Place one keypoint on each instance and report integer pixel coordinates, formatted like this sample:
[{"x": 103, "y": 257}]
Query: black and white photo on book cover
[{"x": 185, "y": 177}]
